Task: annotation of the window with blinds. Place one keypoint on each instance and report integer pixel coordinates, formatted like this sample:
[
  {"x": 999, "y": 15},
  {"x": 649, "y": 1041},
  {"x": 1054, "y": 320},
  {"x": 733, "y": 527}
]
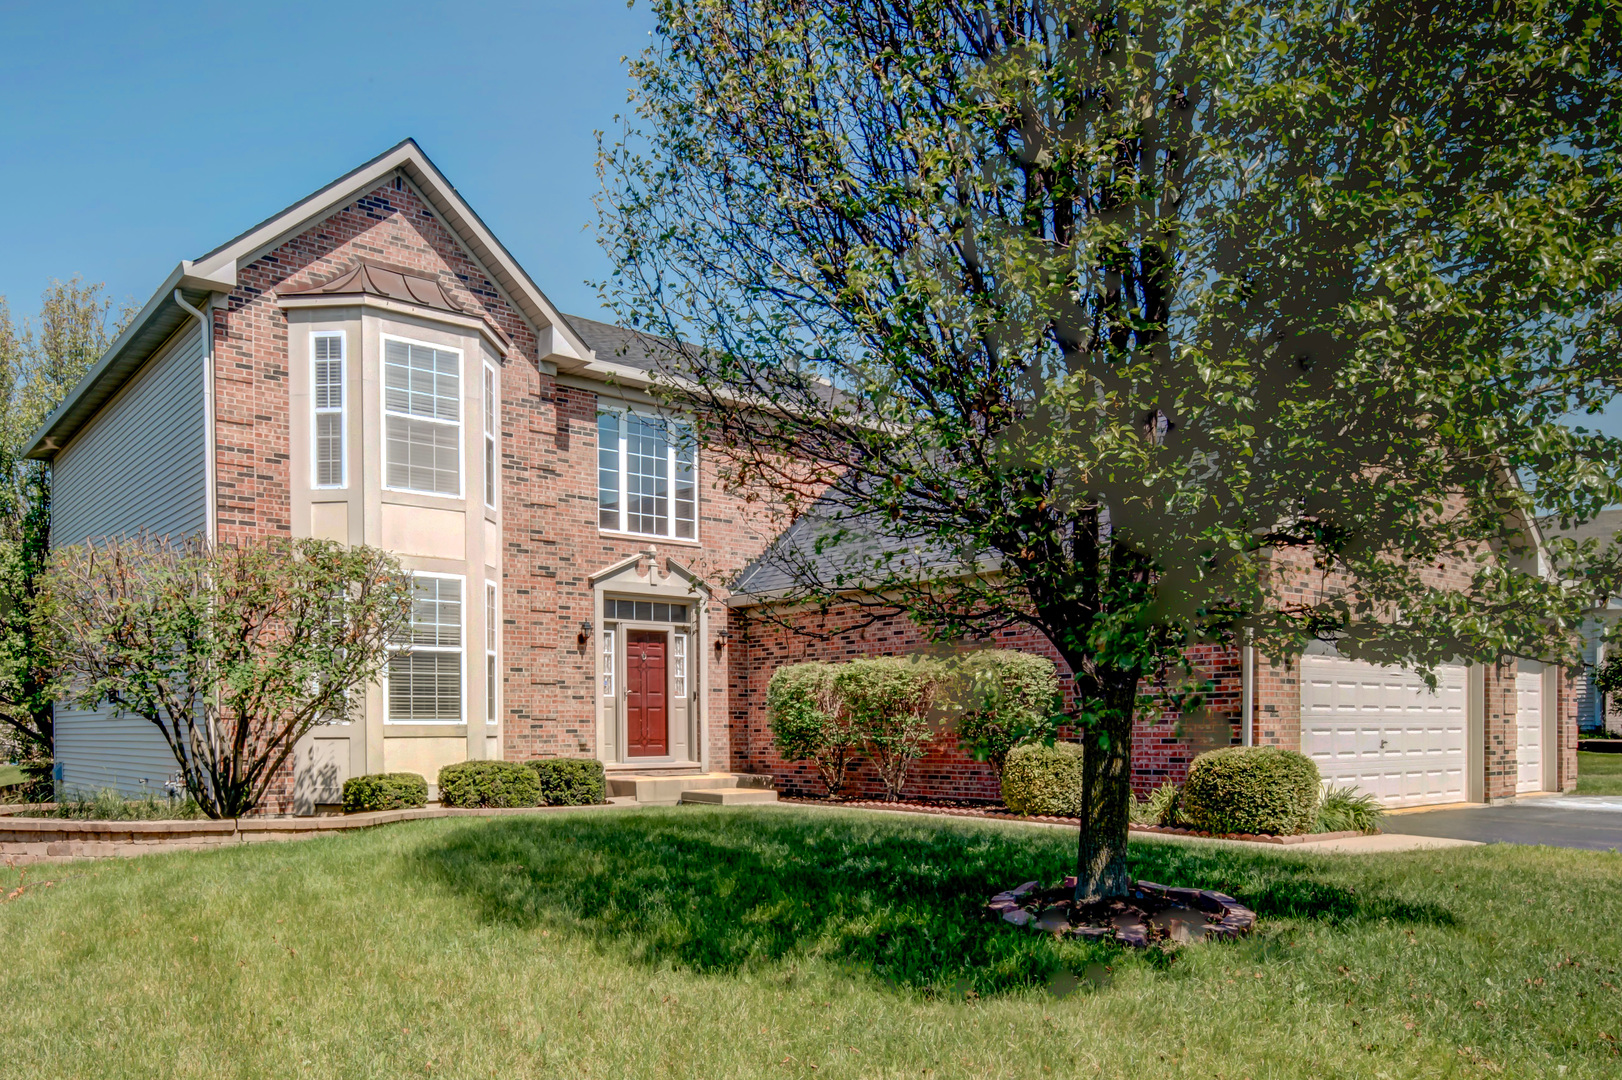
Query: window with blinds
[
  {"x": 425, "y": 684},
  {"x": 489, "y": 436},
  {"x": 422, "y": 405},
  {"x": 647, "y": 476},
  {"x": 327, "y": 389},
  {"x": 490, "y": 699}
]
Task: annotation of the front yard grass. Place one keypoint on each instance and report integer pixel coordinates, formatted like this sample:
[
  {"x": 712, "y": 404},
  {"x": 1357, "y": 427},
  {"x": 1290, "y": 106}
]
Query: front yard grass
[
  {"x": 1599, "y": 774},
  {"x": 11, "y": 774},
  {"x": 782, "y": 942}
]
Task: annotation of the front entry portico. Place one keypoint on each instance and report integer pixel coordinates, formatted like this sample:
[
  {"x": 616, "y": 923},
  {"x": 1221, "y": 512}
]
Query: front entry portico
[{"x": 649, "y": 621}]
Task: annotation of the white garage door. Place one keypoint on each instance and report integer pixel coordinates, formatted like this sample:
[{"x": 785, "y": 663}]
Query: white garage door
[
  {"x": 1383, "y": 730},
  {"x": 1529, "y": 732}
]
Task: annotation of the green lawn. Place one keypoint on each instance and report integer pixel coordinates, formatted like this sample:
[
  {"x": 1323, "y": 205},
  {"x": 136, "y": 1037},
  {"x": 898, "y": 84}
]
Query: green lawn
[
  {"x": 693, "y": 942},
  {"x": 1599, "y": 774},
  {"x": 11, "y": 774}
]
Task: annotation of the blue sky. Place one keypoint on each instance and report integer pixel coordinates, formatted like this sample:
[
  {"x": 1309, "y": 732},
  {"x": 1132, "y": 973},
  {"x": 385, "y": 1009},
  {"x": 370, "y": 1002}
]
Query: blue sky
[{"x": 137, "y": 135}]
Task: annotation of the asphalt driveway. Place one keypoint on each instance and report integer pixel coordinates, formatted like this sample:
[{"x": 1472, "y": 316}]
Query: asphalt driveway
[{"x": 1593, "y": 822}]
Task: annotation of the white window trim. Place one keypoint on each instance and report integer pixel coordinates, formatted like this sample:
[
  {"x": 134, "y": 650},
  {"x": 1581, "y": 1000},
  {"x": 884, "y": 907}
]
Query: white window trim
[
  {"x": 624, "y": 481},
  {"x": 342, "y": 410},
  {"x": 387, "y": 719},
  {"x": 492, "y": 651},
  {"x": 461, "y": 411},
  {"x": 492, "y": 442}
]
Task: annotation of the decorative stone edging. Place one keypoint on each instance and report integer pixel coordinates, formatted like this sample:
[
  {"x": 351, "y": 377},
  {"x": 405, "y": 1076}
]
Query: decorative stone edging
[
  {"x": 28, "y": 840},
  {"x": 1150, "y": 914},
  {"x": 994, "y": 813}
]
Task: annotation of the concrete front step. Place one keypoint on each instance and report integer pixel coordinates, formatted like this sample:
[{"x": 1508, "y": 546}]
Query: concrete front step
[
  {"x": 668, "y": 790},
  {"x": 729, "y": 796}
]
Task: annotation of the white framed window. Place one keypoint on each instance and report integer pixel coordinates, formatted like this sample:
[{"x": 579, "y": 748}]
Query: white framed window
[
  {"x": 490, "y": 431},
  {"x": 424, "y": 681},
  {"x": 678, "y": 666},
  {"x": 422, "y": 417},
  {"x": 328, "y": 427},
  {"x": 647, "y": 475},
  {"x": 608, "y": 663},
  {"x": 491, "y": 696}
]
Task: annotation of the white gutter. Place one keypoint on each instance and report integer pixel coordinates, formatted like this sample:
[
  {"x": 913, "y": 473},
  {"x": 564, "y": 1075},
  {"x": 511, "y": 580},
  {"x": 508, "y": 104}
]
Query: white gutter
[
  {"x": 1247, "y": 694},
  {"x": 205, "y": 319}
]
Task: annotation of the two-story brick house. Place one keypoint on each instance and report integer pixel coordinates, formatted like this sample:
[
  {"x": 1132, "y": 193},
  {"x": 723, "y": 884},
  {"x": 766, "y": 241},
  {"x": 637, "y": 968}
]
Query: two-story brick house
[{"x": 372, "y": 366}]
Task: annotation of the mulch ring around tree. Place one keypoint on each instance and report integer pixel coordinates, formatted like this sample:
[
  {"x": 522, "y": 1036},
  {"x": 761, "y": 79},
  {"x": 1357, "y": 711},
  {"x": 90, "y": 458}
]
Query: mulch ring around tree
[{"x": 1149, "y": 915}]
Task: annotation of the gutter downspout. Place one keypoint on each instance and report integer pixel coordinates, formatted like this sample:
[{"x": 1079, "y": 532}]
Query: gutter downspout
[
  {"x": 1247, "y": 692},
  {"x": 205, "y": 319}
]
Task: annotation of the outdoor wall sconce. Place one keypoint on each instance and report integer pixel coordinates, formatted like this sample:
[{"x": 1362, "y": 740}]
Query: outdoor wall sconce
[
  {"x": 585, "y": 631},
  {"x": 720, "y": 640}
]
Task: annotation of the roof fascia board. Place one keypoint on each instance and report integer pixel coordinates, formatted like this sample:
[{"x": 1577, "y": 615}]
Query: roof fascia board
[
  {"x": 187, "y": 277},
  {"x": 409, "y": 160}
]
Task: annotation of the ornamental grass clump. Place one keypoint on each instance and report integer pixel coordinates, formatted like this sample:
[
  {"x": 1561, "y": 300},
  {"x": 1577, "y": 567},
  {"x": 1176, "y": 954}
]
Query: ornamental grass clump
[
  {"x": 809, "y": 722},
  {"x": 385, "y": 791},
  {"x": 1348, "y": 810},
  {"x": 1007, "y": 698},
  {"x": 889, "y": 700},
  {"x": 488, "y": 784},
  {"x": 1251, "y": 789},
  {"x": 1160, "y": 808},
  {"x": 1040, "y": 778}
]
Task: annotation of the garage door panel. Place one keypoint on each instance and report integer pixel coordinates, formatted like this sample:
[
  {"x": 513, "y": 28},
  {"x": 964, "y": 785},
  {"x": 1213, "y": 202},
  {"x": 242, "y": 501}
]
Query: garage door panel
[
  {"x": 1384, "y": 731},
  {"x": 1528, "y": 732}
]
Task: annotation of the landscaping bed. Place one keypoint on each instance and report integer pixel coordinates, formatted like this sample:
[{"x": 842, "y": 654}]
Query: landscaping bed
[{"x": 991, "y": 811}]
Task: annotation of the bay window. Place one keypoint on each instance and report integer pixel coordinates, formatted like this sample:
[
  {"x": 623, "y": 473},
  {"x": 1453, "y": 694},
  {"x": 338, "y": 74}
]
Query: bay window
[
  {"x": 422, "y": 407},
  {"x": 425, "y": 683}
]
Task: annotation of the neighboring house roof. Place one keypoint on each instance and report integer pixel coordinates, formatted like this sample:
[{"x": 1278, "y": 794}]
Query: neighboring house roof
[
  {"x": 1606, "y": 524},
  {"x": 216, "y": 273}
]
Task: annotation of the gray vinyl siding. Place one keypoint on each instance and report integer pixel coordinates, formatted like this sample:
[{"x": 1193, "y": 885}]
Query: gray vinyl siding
[
  {"x": 99, "y": 750},
  {"x": 138, "y": 466}
]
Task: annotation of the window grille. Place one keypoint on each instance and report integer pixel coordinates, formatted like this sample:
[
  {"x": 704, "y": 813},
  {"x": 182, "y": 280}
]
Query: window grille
[
  {"x": 425, "y": 684},
  {"x": 423, "y": 418},
  {"x": 327, "y": 386}
]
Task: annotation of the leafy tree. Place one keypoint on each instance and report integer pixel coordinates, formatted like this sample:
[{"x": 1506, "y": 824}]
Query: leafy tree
[
  {"x": 37, "y": 369},
  {"x": 1143, "y": 323},
  {"x": 233, "y": 652}
]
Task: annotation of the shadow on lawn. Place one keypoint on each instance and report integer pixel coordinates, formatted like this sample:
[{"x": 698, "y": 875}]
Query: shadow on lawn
[{"x": 717, "y": 891}]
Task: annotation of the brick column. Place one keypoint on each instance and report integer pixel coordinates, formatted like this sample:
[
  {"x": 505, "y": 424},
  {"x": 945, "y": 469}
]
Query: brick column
[
  {"x": 1277, "y": 717},
  {"x": 1498, "y": 731},
  {"x": 1565, "y": 749}
]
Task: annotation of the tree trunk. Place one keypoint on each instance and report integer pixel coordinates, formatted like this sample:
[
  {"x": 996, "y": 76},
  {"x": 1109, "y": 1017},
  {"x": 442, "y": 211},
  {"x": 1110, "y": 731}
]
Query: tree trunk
[{"x": 1106, "y": 796}]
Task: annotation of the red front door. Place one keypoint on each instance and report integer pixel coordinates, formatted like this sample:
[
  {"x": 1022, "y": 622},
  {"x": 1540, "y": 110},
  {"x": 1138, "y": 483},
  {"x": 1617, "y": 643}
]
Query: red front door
[{"x": 646, "y": 728}]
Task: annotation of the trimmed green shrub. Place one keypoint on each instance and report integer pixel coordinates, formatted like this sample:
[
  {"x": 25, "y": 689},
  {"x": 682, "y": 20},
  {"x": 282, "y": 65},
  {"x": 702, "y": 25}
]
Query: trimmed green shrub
[
  {"x": 385, "y": 791},
  {"x": 1347, "y": 809},
  {"x": 1251, "y": 789},
  {"x": 489, "y": 783},
  {"x": 889, "y": 700},
  {"x": 1043, "y": 779},
  {"x": 808, "y": 721},
  {"x": 570, "y": 781},
  {"x": 1008, "y": 698},
  {"x": 1160, "y": 808}
]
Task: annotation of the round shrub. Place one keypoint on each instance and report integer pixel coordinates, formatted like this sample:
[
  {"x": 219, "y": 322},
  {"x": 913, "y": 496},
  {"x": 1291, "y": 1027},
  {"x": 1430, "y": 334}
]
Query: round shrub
[
  {"x": 1251, "y": 789},
  {"x": 385, "y": 791},
  {"x": 569, "y": 781},
  {"x": 489, "y": 783},
  {"x": 1007, "y": 697},
  {"x": 1043, "y": 779}
]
